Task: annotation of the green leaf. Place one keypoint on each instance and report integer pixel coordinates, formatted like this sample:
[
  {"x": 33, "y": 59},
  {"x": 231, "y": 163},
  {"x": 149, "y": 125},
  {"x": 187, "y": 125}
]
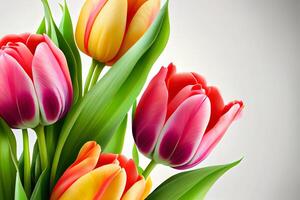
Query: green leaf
[
  {"x": 116, "y": 143},
  {"x": 19, "y": 190},
  {"x": 135, "y": 155},
  {"x": 133, "y": 111},
  {"x": 66, "y": 29},
  {"x": 107, "y": 103},
  {"x": 21, "y": 167},
  {"x": 35, "y": 155},
  {"x": 42, "y": 27},
  {"x": 191, "y": 185},
  {"x": 41, "y": 190},
  {"x": 7, "y": 166},
  {"x": 37, "y": 169}
]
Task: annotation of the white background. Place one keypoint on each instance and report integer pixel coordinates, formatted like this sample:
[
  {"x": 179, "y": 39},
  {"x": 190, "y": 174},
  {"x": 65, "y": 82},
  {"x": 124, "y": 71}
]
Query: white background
[{"x": 250, "y": 49}]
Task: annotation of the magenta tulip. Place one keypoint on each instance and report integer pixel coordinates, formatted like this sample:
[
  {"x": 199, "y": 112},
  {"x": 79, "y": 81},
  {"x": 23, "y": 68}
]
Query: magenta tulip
[
  {"x": 34, "y": 81},
  {"x": 179, "y": 119}
]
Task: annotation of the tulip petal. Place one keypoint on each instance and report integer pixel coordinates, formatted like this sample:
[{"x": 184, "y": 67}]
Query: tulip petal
[
  {"x": 33, "y": 41},
  {"x": 177, "y": 81},
  {"x": 18, "y": 101},
  {"x": 183, "y": 131},
  {"x": 85, "y": 163},
  {"x": 114, "y": 187},
  {"x": 14, "y": 38},
  {"x": 132, "y": 174},
  {"x": 21, "y": 54},
  {"x": 148, "y": 187},
  {"x": 133, "y": 7},
  {"x": 185, "y": 93},
  {"x": 138, "y": 26},
  {"x": 217, "y": 106},
  {"x": 50, "y": 83},
  {"x": 136, "y": 192},
  {"x": 108, "y": 30},
  {"x": 89, "y": 185},
  {"x": 88, "y": 14},
  {"x": 107, "y": 158},
  {"x": 151, "y": 113},
  {"x": 211, "y": 139},
  {"x": 61, "y": 59}
]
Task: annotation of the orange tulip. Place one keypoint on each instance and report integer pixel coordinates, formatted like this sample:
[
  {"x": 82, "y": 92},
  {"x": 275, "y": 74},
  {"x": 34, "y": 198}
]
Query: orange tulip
[
  {"x": 101, "y": 176},
  {"x": 106, "y": 29}
]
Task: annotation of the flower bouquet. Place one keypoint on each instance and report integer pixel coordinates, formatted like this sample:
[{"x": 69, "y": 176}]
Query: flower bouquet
[{"x": 81, "y": 129}]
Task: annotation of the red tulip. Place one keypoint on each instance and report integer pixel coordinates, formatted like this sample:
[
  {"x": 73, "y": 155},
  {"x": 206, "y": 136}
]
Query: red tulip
[
  {"x": 101, "y": 176},
  {"x": 179, "y": 119},
  {"x": 34, "y": 81}
]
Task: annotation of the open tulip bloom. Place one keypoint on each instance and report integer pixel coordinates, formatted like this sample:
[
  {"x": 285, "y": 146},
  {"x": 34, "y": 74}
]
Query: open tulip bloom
[{"x": 178, "y": 120}]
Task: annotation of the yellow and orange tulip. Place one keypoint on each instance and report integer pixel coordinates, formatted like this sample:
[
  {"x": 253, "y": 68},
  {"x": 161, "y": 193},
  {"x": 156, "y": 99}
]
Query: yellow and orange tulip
[
  {"x": 106, "y": 29},
  {"x": 101, "y": 176}
]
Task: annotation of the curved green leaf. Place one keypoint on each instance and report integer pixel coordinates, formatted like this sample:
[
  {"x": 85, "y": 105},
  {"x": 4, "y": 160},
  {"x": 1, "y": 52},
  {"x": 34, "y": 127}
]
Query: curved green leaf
[
  {"x": 41, "y": 189},
  {"x": 116, "y": 143},
  {"x": 42, "y": 27},
  {"x": 7, "y": 163},
  {"x": 19, "y": 190},
  {"x": 66, "y": 29},
  {"x": 107, "y": 103},
  {"x": 191, "y": 185},
  {"x": 135, "y": 155}
]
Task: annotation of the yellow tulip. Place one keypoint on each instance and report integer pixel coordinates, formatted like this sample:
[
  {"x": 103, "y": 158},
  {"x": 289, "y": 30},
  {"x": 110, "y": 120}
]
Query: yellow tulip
[
  {"x": 106, "y": 29},
  {"x": 101, "y": 176}
]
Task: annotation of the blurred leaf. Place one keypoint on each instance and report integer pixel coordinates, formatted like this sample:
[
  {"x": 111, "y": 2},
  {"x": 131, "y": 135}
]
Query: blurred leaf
[
  {"x": 21, "y": 167},
  {"x": 33, "y": 164},
  {"x": 7, "y": 163},
  {"x": 116, "y": 143},
  {"x": 135, "y": 155},
  {"x": 42, "y": 27},
  {"x": 37, "y": 168},
  {"x": 41, "y": 190},
  {"x": 191, "y": 185},
  {"x": 51, "y": 32},
  {"x": 19, "y": 190},
  {"x": 107, "y": 103},
  {"x": 133, "y": 111}
]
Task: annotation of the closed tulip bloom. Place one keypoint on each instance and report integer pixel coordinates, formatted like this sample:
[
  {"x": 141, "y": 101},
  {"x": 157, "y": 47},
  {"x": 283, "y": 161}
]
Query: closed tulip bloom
[
  {"x": 180, "y": 119},
  {"x": 101, "y": 176},
  {"x": 35, "y": 85},
  {"x": 106, "y": 29}
]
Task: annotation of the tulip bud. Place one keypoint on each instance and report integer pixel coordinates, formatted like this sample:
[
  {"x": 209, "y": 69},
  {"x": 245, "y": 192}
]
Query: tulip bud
[
  {"x": 179, "y": 119},
  {"x": 101, "y": 176},
  {"x": 34, "y": 81},
  {"x": 106, "y": 29}
]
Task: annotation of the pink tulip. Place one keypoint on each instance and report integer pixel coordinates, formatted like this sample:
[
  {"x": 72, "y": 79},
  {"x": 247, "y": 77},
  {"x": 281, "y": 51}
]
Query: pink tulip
[
  {"x": 34, "y": 81},
  {"x": 179, "y": 119}
]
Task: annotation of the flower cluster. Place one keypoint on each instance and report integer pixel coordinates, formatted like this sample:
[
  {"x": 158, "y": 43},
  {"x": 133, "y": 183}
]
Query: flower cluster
[{"x": 177, "y": 122}]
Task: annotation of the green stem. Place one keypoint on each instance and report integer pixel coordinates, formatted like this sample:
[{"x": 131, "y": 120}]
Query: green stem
[
  {"x": 149, "y": 169},
  {"x": 42, "y": 146},
  {"x": 26, "y": 155},
  {"x": 89, "y": 76},
  {"x": 96, "y": 74}
]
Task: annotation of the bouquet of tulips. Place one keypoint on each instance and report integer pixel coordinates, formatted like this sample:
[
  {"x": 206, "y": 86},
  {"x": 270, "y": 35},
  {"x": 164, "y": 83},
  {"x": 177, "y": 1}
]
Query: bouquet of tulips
[{"x": 80, "y": 128}]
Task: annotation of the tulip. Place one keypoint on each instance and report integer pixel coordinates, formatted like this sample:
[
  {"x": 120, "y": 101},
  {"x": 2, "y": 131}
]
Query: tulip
[
  {"x": 106, "y": 29},
  {"x": 101, "y": 176},
  {"x": 35, "y": 84},
  {"x": 179, "y": 119}
]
